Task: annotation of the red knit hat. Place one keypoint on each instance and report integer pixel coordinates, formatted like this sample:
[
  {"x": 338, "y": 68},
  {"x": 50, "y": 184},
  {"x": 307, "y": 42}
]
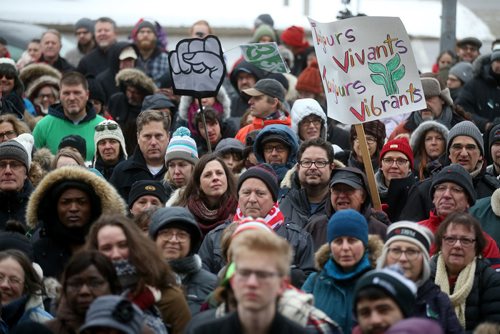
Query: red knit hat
[
  {"x": 310, "y": 80},
  {"x": 294, "y": 36},
  {"x": 398, "y": 145}
]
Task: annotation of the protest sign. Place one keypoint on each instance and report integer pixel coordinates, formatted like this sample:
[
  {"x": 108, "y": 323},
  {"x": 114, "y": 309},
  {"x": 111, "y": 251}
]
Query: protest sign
[
  {"x": 265, "y": 56},
  {"x": 367, "y": 68}
]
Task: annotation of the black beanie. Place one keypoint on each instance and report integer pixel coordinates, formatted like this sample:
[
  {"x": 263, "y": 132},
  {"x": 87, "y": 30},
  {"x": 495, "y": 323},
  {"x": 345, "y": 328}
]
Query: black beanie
[
  {"x": 146, "y": 24},
  {"x": 456, "y": 174},
  {"x": 266, "y": 174},
  {"x": 146, "y": 187},
  {"x": 77, "y": 142}
]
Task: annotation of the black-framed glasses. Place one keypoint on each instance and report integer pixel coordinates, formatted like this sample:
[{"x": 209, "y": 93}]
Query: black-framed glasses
[
  {"x": 271, "y": 148},
  {"x": 7, "y": 76},
  {"x": 466, "y": 242},
  {"x": 316, "y": 121},
  {"x": 399, "y": 161},
  {"x": 308, "y": 163},
  {"x": 108, "y": 126},
  {"x": 369, "y": 139},
  {"x": 13, "y": 164},
  {"x": 9, "y": 134},
  {"x": 410, "y": 254}
]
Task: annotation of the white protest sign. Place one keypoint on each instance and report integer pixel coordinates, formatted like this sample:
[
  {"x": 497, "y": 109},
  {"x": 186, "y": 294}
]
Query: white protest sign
[{"x": 367, "y": 68}]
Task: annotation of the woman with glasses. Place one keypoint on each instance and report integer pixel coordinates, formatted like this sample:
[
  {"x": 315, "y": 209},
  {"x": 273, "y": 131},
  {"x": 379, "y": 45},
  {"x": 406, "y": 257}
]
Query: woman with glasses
[
  {"x": 428, "y": 143},
  {"x": 462, "y": 273},
  {"x": 88, "y": 275},
  {"x": 110, "y": 148},
  {"x": 395, "y": 176},
  {"x": 407, "y": 246},
  {"x": 146, "y": 278},
  {"x": 178, "y": 237},
  {"x": 210, "y": 194},
  {"x": 348, "y": 254},
  {"x": 21, "y": 290},
  {"x": 11, "y": 127}
]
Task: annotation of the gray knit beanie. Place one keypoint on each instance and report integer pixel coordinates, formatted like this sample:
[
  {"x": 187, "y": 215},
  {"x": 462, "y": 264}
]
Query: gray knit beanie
[
  {"x": 465, "y": 128},
  {"x": 462, "y": 70},
  {"x": 14, "y": 150},
  {"x": 85, "y": 23}
]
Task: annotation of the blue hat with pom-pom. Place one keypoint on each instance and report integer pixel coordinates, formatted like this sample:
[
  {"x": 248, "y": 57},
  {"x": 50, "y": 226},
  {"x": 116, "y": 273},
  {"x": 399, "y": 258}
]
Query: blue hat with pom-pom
[{"x": 182, "y": 146}]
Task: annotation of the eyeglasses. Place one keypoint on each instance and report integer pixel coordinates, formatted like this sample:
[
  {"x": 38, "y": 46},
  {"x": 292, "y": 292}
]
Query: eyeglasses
[
  {"x": 169, "y": 235},
  {"x": 308, "y": 163},
  {"x": 460, "y": 147},
  {"x": 92, "y": 284},
  {"x": 411, "y": 254},
  {"x": 261, "y": 275},
  {"x": 271, "y": 148},
  {"x": 108, "y": 126},
  {"x": 9, "y": 134},
  {"x": 11, "y": 280},
  {"x": 465, "y": 242},
  {"x": 7, "y": 76},
  {"x": 369, "y": 139},
  {"x": 46, "y": 96},
  {"x": 14, "y": 165},
  {"x": 342, "y": 188},
  {"x": 455, "y": 190},
  {"x": 310, "y": 120},
  {"x": 399, "y": 161}
]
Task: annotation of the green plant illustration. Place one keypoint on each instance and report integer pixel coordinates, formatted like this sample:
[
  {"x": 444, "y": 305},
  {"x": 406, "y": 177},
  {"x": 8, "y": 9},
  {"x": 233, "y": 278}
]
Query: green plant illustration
[{"x": 388, "y": 75}]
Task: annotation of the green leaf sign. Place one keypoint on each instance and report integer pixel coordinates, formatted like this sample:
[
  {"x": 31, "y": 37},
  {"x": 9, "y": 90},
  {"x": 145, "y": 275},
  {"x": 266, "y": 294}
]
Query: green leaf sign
[{"x": 387, "y": 75}]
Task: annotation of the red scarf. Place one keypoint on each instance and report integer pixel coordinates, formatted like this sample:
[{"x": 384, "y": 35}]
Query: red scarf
[
  {"x": 274, "y": 218},
  {"x": 209, "y": 219}
]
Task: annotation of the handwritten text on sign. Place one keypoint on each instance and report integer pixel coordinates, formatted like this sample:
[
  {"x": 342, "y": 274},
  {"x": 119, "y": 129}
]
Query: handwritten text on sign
[{"x": 367, "y": 68}]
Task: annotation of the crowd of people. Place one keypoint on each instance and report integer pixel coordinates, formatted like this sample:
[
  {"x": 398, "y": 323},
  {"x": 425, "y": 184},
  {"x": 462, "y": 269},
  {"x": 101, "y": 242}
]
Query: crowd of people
[{"x": 125, "y": 208}]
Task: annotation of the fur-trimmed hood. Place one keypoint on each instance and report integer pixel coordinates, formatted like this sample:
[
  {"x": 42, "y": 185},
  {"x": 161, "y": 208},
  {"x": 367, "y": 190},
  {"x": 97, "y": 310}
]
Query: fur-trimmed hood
[
  {"x": 495, "y": 202},
  {"x": 418, "y": 135},
  {"x": 375, "y": 246},
  {"x": 137, "y": 79},
  {"x": 33, "y": 72},
  {"x": 222, "y": 98},
  {"x": 110, "y": 200}
]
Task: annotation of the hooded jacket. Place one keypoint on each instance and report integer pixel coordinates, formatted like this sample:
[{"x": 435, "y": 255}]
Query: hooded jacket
[
  {"x": 377, "y": 220},
  {"x": 239, "y": 104},
  {"x": 124, "y": 113},
  {"x": 335, "y": 296},
  {"x": 49, "y": 131},
  {"x": 52, "y": 241},
  {"x": 289, "y": 136},
  {"x": 107, "y": 77},
  {"x": 487, "y": 211}
]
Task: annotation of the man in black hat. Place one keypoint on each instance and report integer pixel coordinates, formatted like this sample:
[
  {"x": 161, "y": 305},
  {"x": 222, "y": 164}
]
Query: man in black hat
[
  {"x": 468, "y": 49},
  {"x": 84, "y": 32},
  {"x": 152, "y": 59}
]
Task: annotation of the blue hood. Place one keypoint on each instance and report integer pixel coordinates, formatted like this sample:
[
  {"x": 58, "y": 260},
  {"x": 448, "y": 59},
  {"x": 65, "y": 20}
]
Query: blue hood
[{"x": 281, "y": 130}]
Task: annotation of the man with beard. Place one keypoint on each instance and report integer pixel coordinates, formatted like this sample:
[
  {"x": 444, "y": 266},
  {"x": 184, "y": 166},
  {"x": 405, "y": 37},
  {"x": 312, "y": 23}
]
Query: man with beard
[
  {"x": 84, "y": 32},
  {"x": 314, "y": 169},
  {"x": 126, "y": 105},
  {"x": 75, "y": 114},
  {"x": 97, "y": 60},
  {"x": 439, "y": 108},
  {"x": 61, "y": 211},
  {"x": 151, "y": 58}
]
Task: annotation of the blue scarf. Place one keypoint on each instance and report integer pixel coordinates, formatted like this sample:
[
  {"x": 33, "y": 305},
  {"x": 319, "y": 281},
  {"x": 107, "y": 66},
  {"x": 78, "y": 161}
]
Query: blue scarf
[{"x": 333, "y": 270}]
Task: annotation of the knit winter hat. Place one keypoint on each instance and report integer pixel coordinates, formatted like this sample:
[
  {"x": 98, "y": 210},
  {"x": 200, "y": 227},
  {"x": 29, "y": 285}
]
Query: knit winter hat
[
  {"x": 462, "y": 70},
  {"x": 16, "y": 240},
  {"x": 86, "y": 24},
  {"x": 465, "y": 128},
  {"x": 375, "y": 129},
  {"x": 157, "y": 101},
  {"x": 28, "y": 142},
  {"x": 495, "y": 55},
  {"x": 432, "y": 87},
  {"x": 177, "y": 217},
  {"x": 109, "y": 129},
  {"x": 455, "y": 173},
  {"x": 182, "y": 146},
  {"x": 411, "y": 232},
  {"x": 310, "y": 80},
  {"x": 146, "y": 24},
  {"x": 399, "y": 288},
  {"x": 266, "y": 174},
  {"x": 229, "y": 145},
  {"x": 114, "y": 312},
  {"x": 146, "y": 187},
  {"x": 347, "y": 223},
  {"x": 13, "y": 149},
  {"x": 494, "y": 135},
  {"x": 263, "y": 30},
  {"x": 250, "y": 223},
  {"x": 294, "y": 36},
  {"x": 398, "y": 145},
  {"x": 264, "y": 19},
  {"x": 75, "y": 141}
]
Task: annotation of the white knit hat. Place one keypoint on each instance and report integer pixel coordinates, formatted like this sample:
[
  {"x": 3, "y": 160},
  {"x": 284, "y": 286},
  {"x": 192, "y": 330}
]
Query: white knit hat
[
  {"x": 103, "y": 131},
  {"x": 182, "y": 146}
]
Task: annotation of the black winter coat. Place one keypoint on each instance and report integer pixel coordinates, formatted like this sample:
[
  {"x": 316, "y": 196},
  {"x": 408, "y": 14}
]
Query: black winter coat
[
  {"x": 95, "y": 62},
  {"x": 295, "y": 207},
  {"x": 301, "y": 242},
  {"x": 419, "y": 202},
  {"x": 483, "y": 302},
  {"x": 131, "y": 170},
  {"x": 13, "y": 204},
  {"x": 434, "y": 304}
]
